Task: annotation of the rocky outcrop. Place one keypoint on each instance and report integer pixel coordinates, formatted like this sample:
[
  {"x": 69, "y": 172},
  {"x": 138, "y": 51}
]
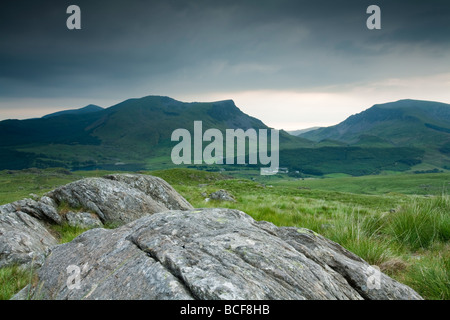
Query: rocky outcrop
[
  {"x": 44, "y": 209},
  {"x": 85, "y": 220},
  {"x": 208, "y": 254},
  {"x": 91, "y": 202},
  {"x": 23, "y": 240},
  {"x": 120, "y": 198},
  {"x": 165, "y": 249},
  {"x": 154, "y": 187}
]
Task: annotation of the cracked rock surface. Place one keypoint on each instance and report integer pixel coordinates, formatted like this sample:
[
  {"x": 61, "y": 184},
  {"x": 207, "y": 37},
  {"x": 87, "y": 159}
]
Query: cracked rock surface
[
  {"x": 117, "y": 199},
  {"x": 121, "y": 198},
  {"x": 208, "y": 254},
  {"x": 23, "y": 240}
]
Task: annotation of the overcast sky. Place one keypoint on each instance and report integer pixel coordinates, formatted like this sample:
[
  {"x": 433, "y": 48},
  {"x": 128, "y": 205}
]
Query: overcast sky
[{"x": 291, "y": 63}]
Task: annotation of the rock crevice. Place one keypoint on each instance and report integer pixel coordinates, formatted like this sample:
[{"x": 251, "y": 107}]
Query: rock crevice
[
  {"x": 114, "y": 199},
  {"x": 213, "y": 254}
]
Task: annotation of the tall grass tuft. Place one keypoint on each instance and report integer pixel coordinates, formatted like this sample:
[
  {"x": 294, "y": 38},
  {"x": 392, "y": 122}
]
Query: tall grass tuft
[
  {"x": 66, "y": 233},
  {"x": 360, "y": 235},
  {"x": 13, "y": 279},
  {"x": 430, "y": 276},
  {"x": 420, "y": 223}
]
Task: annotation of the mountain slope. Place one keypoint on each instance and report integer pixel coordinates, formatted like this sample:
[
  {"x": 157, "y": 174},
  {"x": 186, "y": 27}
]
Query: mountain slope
[
  {"x": 133, "y": 131},
  {"x": 88, "y": 109},
  {"x": 398, "y": 122},
  {"x": 136, "y": 134},
  {"x": 300, "y": 131},
  {"x": 405, "y": 123}
]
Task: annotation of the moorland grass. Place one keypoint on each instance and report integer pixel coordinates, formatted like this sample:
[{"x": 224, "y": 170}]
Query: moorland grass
[
  {"x": 66, "y": 233},
  {"x": 420, "y": 223},
  {"x": 429, "y": 274},
  {"x": 406, "y": 235},
  {"x": 13, "y": 279}
]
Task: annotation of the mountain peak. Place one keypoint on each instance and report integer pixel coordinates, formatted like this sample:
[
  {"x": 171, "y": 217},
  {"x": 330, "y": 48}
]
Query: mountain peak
[
  {"x": 226, "y": 102},
  {"x": 403, "y": 122},
  {"x": 411, "y": 103},
  {"x": 87, "y": 109}
]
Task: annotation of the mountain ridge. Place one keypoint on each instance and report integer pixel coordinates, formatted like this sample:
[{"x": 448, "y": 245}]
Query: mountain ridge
[
  {"x": 417, "y": 114},
  {"x": 403, "y": 123},
  {"x": 87, "y": 109},
  {"x": 137, "y": 132}
]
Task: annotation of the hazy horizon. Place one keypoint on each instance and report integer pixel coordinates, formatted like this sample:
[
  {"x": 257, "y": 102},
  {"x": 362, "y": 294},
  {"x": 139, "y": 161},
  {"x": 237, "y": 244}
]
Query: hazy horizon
[{"x": 44, "y": 112}]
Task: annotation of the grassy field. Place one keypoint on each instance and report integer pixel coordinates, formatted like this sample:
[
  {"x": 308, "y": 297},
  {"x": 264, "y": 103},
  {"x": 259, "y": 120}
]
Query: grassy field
[
  {"x": 419, "y": 184},
  {"x": 399, "y": 222}
]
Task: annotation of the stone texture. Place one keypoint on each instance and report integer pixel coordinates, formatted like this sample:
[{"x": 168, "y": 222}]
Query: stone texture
[
  {"x": 83, "y": 220},
  {"x": 115, "y": 199},
  {"x": 208, "y": 254},
  {"x": 23, "y": 240},
  {"x": 154, "y": 187},
  {"x": 222, "y": 195},
  {"x": 119, "y": 199},
  {"x": 45, "y": 209}
]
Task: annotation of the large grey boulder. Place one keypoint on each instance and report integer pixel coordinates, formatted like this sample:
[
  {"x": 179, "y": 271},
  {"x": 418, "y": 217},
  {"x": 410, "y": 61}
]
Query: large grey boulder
[
  {"x": 208, "y": 254},
  {"x": 24, "y": 237},
  {"x": 154, "y": 187},
  {"x": 120, "y": 198},
  {"x": 23, "y": 240}
]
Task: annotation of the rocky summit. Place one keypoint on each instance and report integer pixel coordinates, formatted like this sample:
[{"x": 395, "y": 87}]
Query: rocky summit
[{"x": 165, "y": 249}]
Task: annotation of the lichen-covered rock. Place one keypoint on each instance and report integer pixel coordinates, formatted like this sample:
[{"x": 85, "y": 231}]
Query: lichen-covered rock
[
  {"x": 208, "y": 254},
  {"x": 120, "y": 199},
  {"x": 83, "y": 220},
  {"x": 154, "y": 187},
  {"x": 114, "y": 199},
  {"x": 23, "y": 240},
  {"x": 44, "y": 209}
]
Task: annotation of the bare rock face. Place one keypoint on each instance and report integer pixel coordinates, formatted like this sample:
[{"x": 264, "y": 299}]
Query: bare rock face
[
  {"x": 120, "y": 198},
  {"x": 208, "y": 254},
  {"x": 44, "y": 209},
  {"x": 23, "y": 240},
  {"x": 117, "y": 199},
  {"x": 83, "y": 220},
  {"x": 154, "y": 187}
]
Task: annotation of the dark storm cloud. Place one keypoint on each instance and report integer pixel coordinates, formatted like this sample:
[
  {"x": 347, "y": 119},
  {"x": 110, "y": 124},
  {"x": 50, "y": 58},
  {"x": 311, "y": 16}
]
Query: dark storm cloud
[{"x": 210, "y": 45}]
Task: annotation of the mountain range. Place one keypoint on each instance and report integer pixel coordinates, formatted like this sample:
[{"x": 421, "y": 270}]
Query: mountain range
[
  {"x": 300, "y": 131},
  {"x": 88, "y": 109},
  {"x": 135, "y": 134},
  {"x": 405, "y": 123}
]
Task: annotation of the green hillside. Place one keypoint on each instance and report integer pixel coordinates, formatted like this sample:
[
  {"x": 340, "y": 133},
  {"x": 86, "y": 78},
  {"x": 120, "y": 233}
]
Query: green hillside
[
  {"x": 88, "y": 109},
  {"x": 135, "y": 135},
  {"x": 417, "y": 124},
  {"x": 410, "y": 122}
]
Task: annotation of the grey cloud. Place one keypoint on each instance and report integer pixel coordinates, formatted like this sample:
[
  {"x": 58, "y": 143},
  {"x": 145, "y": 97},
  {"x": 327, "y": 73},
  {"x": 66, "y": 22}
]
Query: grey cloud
[{"x": 211, "y": 45}]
